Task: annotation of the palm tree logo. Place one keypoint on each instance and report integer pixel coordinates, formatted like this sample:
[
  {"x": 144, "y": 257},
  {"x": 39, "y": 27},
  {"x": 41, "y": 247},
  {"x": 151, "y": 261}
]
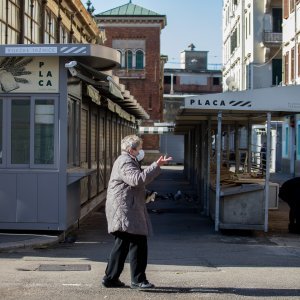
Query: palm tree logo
[{"x": 11, "y": 71}]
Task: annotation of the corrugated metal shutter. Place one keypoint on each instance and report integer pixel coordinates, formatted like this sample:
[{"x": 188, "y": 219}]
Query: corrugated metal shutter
[
  {"x": 83, "y": 137},
  {"x": 173, "y": 145},
  {"x": 101, "y": 152}
]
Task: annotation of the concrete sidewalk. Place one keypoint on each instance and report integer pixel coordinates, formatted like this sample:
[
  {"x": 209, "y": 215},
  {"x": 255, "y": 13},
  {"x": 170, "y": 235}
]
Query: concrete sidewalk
[
  {"x": 10, "y": 241},
  {"x": 167, "y": 185}
]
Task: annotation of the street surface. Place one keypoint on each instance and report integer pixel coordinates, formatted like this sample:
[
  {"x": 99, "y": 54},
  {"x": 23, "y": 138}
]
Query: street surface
[{"x": 187, "y": 259}]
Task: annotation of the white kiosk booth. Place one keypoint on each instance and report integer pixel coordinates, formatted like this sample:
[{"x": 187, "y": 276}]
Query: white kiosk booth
[{"x": 232, "y": 207}]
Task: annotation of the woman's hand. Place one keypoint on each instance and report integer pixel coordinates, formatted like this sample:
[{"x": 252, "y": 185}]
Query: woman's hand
[{"x": 163, "y": 160}]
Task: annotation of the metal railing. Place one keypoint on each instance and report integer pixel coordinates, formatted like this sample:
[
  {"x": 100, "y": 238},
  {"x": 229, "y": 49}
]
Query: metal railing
[{"x": 272, "y": 37}]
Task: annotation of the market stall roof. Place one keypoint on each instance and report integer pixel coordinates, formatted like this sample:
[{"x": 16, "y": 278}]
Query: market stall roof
[
  {"x": 241, "y": 107},
  {"x": 109, "y": 87}
]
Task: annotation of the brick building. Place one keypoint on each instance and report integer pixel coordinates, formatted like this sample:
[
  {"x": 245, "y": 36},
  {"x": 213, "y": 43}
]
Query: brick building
[{"x": 135, "y": 32}]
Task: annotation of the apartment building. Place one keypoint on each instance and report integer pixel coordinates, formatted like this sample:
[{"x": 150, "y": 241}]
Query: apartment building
[
  {"x": 47, "y": 22},
  {"x": 291, "y": 76},
  {"x": 252, "y": 37}
]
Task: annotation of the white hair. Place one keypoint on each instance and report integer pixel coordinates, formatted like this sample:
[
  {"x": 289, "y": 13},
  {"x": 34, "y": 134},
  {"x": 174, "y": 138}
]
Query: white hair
[{"x": 130, "y": 141}]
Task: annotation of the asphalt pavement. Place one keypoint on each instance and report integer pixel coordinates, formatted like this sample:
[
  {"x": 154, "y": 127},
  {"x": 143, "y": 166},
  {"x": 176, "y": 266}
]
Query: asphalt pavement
[{"x": 187, "y": 258}]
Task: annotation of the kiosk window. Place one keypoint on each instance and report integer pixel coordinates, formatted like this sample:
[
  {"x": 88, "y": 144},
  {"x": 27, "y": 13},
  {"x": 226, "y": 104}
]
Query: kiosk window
[
  {"x": 20, "y": 131},
  {"x": 1, "y": 129},
  {"x": 298, "y": 139},
  {"x": 44, "y": 115}
]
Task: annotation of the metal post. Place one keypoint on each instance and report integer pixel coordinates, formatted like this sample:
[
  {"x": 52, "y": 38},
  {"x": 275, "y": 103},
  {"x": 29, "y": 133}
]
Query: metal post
[
  {"x": 267, "y": 177},
  {"x": 228, "y": 145},
  {"x": 249, "y": 163},
  {"x": 203, "y": 147},
  {"x": 208, "y": 138},
  {"x": 218, "y": 171},
  {"x": 172, "y": 84},
  {"x": 237, "y": 148}
]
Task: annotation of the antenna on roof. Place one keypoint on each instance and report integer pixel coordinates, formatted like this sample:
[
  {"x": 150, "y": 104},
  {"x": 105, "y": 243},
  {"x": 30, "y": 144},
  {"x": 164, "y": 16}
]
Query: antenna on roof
[{"x": 192, "y": 46}]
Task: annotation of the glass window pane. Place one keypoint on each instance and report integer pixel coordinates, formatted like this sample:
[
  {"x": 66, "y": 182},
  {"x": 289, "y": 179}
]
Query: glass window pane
[
  {"x": 139, "y": 60},
  {"x": 286, "y": 141},
  {"x": 20, "y": 131},
  {"x": 44, "y": 132},
  {"x": 298, "y": 140},
  {"x": 1, "y": 128},
  {"x": 128, "y": 59}
]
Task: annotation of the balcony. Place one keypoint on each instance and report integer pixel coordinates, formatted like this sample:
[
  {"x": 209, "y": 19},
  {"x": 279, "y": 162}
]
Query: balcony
[
  {"x": 130, "y": 73},
  {"x": 272, "y": 38}
]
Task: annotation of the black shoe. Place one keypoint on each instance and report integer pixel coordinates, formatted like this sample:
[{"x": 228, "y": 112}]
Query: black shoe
[
  {"x": 142, "y": 285},
  {"x": 117, "y": 283}
]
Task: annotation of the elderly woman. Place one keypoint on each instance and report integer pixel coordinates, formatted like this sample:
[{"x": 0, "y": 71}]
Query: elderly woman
[{"x": 127, "y": 215}]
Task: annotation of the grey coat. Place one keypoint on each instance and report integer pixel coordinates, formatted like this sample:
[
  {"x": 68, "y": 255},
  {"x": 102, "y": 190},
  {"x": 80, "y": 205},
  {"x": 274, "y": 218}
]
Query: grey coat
[{"x": 125, "y": 203}]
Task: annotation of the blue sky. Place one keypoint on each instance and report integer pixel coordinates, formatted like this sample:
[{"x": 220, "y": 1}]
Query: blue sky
[{"x": 190, "y": 21}]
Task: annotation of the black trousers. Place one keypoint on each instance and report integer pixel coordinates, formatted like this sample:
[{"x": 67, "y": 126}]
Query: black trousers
[{"x": 136, "y": 246}]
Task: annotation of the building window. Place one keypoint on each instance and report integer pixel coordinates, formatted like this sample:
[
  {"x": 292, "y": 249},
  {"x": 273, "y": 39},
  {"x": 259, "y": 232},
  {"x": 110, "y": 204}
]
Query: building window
[
  {"x": 128, "y": 59},
  {"x": 1, "y": 130},
  {"x": 167, "y": 79},
  {"x": 44, "y": 132},
  {"x": 276, "y": 71},
  {"x": 233, "y": 41},
  {"x": 277, "y": 19},
  {"x": 216, "y": 81},
  {"x": 292, "y": 5},
  {"x": 286, "y": 146},
  {"x": 286, "y": 68},
  {"x": 20, "y": 132},
  {"x": 121, "y": 58},
  {"x": 50, "y": 28},
  {"x": 298, "y": 140},
  {"x": 31, "y": 136},
  {"x": 139, "y": 57},
  {"x": 246, "y": 21},
  {"x": 298, "y": 60},
  {"x": 249, "y": 24},
  {"x": 32, "y": 22},
  {"x": 64, "y": 35},
  {"x": 10, "y": 22},
  {"x": 293, "y": 64}
]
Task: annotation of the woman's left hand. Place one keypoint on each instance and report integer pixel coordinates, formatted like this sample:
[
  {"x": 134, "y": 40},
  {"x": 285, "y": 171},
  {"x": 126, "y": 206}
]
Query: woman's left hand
[{"x": 163, "y": 160}]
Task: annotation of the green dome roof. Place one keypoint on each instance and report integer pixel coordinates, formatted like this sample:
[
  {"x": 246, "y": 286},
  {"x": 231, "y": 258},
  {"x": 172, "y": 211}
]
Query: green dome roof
[{"x": 129, "y": 9}]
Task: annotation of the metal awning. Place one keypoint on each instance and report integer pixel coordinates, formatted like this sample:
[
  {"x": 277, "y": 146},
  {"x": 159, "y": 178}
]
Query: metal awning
[
  {"x": 107, "y": 87},
  {"x": 102, "y": 81},
  {"x": 244, "y": 107}
]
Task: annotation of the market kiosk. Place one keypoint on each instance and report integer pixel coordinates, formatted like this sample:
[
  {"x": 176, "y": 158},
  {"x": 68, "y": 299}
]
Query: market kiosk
[
  {"x": 233, "y": 203},
  {"x": 62, "y": 117}
]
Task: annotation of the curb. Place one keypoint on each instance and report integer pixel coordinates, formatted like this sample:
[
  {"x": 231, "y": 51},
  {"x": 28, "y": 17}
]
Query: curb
[{"x": 40, "y": 242}]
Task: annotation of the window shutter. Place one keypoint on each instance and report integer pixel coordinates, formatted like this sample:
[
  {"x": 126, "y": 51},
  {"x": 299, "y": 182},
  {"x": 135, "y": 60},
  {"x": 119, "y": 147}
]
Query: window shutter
[
  {"x": 298, "y": 60},
  {"x": 286, "y": 9},
  {"x": 293, "y": 64},
  {"x": 286, "y": 68}
]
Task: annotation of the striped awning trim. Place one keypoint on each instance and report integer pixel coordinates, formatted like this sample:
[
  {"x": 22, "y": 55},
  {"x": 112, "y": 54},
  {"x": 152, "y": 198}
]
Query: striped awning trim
[{"x": 154, "y": 130}]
